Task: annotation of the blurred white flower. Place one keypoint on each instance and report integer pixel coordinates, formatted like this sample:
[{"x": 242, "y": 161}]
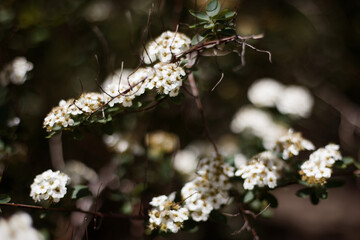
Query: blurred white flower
[
  {"x": 259, "y": 123},
  {"x": 98, "y": 11},
  {"x": 79, "y": 173},
  {"x": 15, "y": 72},
  {"x": 123, "y": 142},
  {"x": 19, "y": 227},
  {"x": 49, "y": 186},
  {"x": 185, "y": 162},
  {"x": 296, "y": 101},
  {"x": 13, "y": 122},
  {"x": 264, "y": 92}
]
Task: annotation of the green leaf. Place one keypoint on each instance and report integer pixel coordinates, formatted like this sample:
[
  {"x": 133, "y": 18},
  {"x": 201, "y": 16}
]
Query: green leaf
[
  {"x": 229, "y": 15},
  {"x": 304, "y": 192},
  {"x": 209, "y": 26},
  {"x": 213, "y": 8},
  {"x": 348, "y": 160},
  {"x": 314, "y": 199},
  {"x": 271, "y": 199},
  {"x": 196, "y": 39},
  {"x": 321, "y": 192},
  {"x": 200, "y": 15},
  {"x": 334, "y": 183},
  {"x": 356, "y": 164},
  {"x": 249, "y": 196},
  {"x": 80, "y": 191},
  {"x": 4, "y": 198}
]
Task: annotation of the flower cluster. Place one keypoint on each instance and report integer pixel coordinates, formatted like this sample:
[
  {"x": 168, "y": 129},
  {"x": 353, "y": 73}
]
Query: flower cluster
[
  {"x": 318, "y": 168},
  {"x": 19, "y": 227},
  {"x": 293, "y": 100},
  {"x": 63, "y": 115},
  {"x": 15, "y": 72},
  {"x": 167, "y": 216},
  {"x": 264, "y": 92},
  {"x": 264, "y": 169},
  {"x": 291, "y": 144},
  {"x": 123, "y": 86},
  {"x": 258, "y": 123},
  {"x": 208, "y": 190},
  {"x": 49, "y": 186},
  {"x": 164, "y": 47}
]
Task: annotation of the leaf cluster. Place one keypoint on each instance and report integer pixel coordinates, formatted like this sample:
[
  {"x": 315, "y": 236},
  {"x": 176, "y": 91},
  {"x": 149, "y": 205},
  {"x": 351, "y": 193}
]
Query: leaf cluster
[{"x": 213, "y": 23}]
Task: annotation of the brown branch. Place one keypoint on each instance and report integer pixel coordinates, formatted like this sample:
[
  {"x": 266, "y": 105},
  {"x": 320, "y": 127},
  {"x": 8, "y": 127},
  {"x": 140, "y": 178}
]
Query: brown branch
[
  {"x": 98, "y": 214},
  {"x": 195, "y": 92}
]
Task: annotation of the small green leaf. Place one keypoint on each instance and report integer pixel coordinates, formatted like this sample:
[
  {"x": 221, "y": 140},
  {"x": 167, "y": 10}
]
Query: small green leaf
[
  {"x": 80, "y": 191},
  {"x": 196, "y": 39},
  {"x": 209, "y": 26},
  {"x": 229, "y": 15},
  {"x": 314, "y": 199},
  {"x": 4, "y": 198},
  {"x": 200, "y": 15},
  {"x": 356, "y": 164},
  {"x": 304, "y": 192},
  {"x": 271, "y": 199},
  {"x": 43, "y": 215},
  {"x": 249, "y": 196},
  {"x": 213, "y": 8},
  {"x": 321, "y": 192},
  {"x": 334, "y": 183},
  {"x": 348, "y": 160}
]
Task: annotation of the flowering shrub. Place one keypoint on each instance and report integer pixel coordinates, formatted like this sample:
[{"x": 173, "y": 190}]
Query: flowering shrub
[{"x": 142, "y": 171}]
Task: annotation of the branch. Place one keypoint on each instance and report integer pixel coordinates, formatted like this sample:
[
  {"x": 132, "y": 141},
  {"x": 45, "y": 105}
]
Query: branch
[{"x": 195, "y": 92}]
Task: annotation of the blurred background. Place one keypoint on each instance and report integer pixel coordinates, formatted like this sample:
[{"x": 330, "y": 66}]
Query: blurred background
[{"x": 73, "y": 44}]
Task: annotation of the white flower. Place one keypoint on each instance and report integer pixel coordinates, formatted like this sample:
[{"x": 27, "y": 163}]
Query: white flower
[
  {"x": 291, "y": 144},
  {"x": 258, "y": 123},
  {"x": 208, "y": 190},
  {"x": 49, "y": 186},
  {"x": 185, "y": 162},
  {"x": 319, "y": 166},
  {"x": 15, "y": 72},
  {"x": 19, "y": 227},
  {"x": 264, "y": 92},
  {"x": 296, "y": 101},
  {"x": 264, "y": 169},
  {"x": 123, "y": 142},
  {"x": 166, "y": 214},
  {"x": 165, "y": 46}
]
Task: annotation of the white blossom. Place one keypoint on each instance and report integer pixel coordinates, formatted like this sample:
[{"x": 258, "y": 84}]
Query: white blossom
[
  {"x": 185, "y": 162},
  {"x": 296, "y": 101},
  {"x": 259, "y": 123},
  {"x": 15, "y": 72},
  {"x": 264, "y": 169},
  {"x": 264, "y": 92},
  {"x": 208, "y": 190},
  {"x": 49, "y": 186},
  {"x": 319, "y": 166},
  {"x": 166, "y": 214},
  {"x": 164, "y": 47},
  {"x": 19, "y": 227},
  {"x": 291, "y": 144}
]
